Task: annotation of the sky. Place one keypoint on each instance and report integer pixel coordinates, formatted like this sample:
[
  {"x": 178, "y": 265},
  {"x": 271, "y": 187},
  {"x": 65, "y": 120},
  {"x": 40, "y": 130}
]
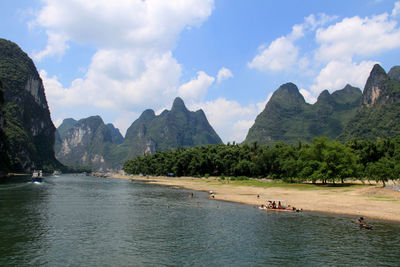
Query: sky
[{"x": 117, "y": 58}]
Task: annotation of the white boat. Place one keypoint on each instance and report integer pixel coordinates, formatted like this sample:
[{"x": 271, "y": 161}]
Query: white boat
[{"x": 37, "y": 176}]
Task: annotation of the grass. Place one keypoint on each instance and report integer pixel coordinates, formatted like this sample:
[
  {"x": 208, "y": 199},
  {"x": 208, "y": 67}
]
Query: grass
[
  {"x": 297, "y": 186},
  {"x": 384, "y": 198}
]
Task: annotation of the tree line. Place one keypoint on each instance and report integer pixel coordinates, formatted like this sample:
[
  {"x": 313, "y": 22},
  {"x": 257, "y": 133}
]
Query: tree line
[{"x": 321, "y": 161}]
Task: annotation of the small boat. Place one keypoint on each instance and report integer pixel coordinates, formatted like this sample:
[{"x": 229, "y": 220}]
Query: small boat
[{"x": 37, "y": 177}]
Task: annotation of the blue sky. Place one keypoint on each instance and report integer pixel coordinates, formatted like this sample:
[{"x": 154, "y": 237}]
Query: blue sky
[{"x": 117, "y": 58}]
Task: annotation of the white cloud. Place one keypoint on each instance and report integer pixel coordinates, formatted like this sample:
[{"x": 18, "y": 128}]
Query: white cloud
[
  {"x": 282, "y": 53},
  {"x": 196, "y": 89},
  {"x": 396, "y": 9},
  {"x": 114, "y": 82},
  {"x": 229, "y": 118},
  {"x": 333, "y": 61},
  {"x": 308, "y": 96},
  {"x": 123, "y": 24},
  {"x": 56, "y": 46},
  {"x": 240, "y": 129},
  {"x": 357, "y": 36},
  {"x": 312, "y": 22},
  {"x": 124, "y": 121},
  {"x": 224, "y": 74},
  {"x": 337, "y": 74},
  {"x": 133, "y": 67},
  {"x": 279, "y": 55}
]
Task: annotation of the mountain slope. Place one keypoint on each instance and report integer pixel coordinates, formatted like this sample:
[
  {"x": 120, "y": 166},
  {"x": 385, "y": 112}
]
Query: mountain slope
[
  {"x": 27, "y": 123},
  {"x": 178, "y": 127},
  {"x": 288, "y": 118},
  {"x": 87, "y": 142},
  {"x": 5, "y": 163},
  {"x": 275, "y": 122},
  {"x": 379, "y": 113}
]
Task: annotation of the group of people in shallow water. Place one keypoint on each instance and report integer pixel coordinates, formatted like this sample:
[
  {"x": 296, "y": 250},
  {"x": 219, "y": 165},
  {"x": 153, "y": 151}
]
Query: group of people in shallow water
[
  {"x": 273, "y": 205},
  {"x": 278, "y": 206}
]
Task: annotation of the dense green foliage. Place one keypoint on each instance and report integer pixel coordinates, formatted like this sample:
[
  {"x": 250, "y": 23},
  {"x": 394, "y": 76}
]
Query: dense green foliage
[
  {"x": 5, "y": 163},
  {"x": 288, "y": 118},
  {"x": 28, "y": 129},
  {"x": 322, "y": 160}
]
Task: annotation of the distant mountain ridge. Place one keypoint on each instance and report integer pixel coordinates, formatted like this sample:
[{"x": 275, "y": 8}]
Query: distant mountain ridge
[
  {"x": 178, "y": 127},
  {"x": 342, "y": 115},
  {"x": 89, "y": 142},
  {"x": 288, "y": 118}
]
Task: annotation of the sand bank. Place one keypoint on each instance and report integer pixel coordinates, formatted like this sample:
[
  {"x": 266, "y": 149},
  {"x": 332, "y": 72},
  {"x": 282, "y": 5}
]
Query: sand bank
[{"x": 371, "y": 201}]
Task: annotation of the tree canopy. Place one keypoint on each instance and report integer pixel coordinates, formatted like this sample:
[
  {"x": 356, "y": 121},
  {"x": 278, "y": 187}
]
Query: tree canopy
[{"x": 321, "y": 161}]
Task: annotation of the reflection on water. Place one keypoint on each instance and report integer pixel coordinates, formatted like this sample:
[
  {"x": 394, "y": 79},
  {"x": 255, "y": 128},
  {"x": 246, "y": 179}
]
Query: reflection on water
[{"x": 101, "y": 222}]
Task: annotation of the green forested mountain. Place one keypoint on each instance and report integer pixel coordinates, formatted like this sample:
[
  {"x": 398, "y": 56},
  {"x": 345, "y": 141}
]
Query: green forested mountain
[
  {"x": 379, "y": 113},
  {"x": 288, "y": 118},
  {"x": 28, "y": 128},
  {"x": 178, "y": 127},
  {"x": 116, "y": 136},
  {"x": 89, "y": 142},
  {"x": 5, "y": 163}
]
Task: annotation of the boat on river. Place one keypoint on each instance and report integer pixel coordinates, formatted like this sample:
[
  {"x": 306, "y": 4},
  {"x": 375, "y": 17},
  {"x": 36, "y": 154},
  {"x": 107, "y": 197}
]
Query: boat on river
[{"x": 37, "y": 176}]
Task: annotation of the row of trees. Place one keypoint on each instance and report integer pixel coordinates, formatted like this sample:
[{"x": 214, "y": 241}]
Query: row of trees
[{"x": 323, "y": 160}]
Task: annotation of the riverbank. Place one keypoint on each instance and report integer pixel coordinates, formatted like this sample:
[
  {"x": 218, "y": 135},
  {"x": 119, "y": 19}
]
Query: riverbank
[{"x": 371, "y": 201}]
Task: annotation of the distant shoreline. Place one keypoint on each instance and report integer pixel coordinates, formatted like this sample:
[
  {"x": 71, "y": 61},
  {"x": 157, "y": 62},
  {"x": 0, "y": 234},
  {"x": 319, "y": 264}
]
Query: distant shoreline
[{"x": 370, "y": 201}]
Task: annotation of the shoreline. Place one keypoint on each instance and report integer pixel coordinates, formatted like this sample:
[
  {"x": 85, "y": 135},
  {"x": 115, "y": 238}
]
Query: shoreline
[{"x": 370, "y": 201}]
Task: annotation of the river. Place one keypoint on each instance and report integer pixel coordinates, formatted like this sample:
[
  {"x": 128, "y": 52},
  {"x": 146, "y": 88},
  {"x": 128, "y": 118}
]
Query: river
[{"x": 88, "y": 221}]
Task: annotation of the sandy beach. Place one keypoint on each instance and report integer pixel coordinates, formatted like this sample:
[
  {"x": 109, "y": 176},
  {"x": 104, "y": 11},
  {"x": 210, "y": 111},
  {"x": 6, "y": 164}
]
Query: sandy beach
[{"x": 370, "y": 201}]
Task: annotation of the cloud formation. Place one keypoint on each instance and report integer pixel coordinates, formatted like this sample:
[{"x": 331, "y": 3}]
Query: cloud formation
[
  {"x": 229, "y": 118},
  {"x": 122, "y": 24},
  {"x": 342, "y": 52},
  {"x": 224, "y": 74},
  {"x": 357, "y": 37},
  {"x": 279, "y": 55},
  {"x": 196, "y": 89},
  {"x": 133, "y": 67},
  {"x": 282, "y": 53}
]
